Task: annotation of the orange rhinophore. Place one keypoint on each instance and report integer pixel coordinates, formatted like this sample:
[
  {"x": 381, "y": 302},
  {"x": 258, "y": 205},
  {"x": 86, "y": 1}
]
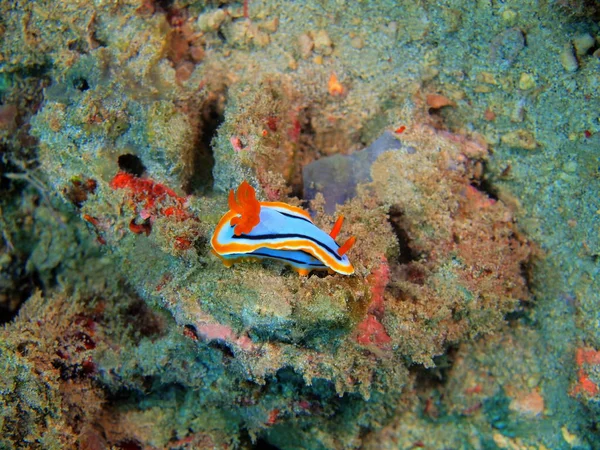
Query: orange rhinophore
[
  {"x": 337, "y": 227},
  {"x": 347, "y": 246}
]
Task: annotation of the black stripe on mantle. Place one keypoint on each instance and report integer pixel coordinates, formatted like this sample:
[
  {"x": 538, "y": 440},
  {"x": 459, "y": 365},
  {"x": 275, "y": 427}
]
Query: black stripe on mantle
[{"x": 259, "y": 237}]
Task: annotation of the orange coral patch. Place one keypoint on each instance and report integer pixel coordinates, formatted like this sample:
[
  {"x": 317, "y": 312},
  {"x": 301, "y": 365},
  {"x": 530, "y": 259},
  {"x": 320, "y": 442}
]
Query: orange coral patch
[
  {"x": 586, "y": 385},
  {"x": 587, "y": 355},
  {"x": 334, "y": 86},
  {"x": 437, "y": 101}
]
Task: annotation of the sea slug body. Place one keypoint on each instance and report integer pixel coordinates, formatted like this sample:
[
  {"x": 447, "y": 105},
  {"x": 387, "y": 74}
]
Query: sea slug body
[{"x": 275, "y": 230}]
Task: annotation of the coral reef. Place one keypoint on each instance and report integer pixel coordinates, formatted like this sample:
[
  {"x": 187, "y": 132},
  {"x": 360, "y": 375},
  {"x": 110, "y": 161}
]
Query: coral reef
[{"x": 471, "y": 320}]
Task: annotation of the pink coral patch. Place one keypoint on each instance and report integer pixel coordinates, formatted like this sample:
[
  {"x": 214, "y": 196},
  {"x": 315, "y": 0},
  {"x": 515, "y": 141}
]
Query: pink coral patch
[{"x": 370, "y": 331}]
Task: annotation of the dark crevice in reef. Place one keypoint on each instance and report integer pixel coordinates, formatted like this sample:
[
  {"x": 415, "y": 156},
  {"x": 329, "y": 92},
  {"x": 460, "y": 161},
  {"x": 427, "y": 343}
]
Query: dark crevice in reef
[
  {"x": 21, "y": 286},
  {"x": 81, "y": 84},
  {"x": 528, "y": 272},
  {"x": 437, "y": 376},
  {"x": 521, "y": 314},
  {"x": 200, "y": 161},
  {"x": 143, "y": 388},
  {"x": 223, "y": 348},
  {"x": 131, "y": 164},
  {"x": 410, "y": 265},
  {"x": 6, "y": 315},
  {"x": 407, "y": 254},
  {"x": 17, "y": 282},
  {"x": 165, "y": 5},
  {"x": 486, "y": 188},
  {"x": 485, "y": 185},
  {"x": 523, "y": 311},
  {"x": 319, "y": 400},
  {"x": 307, "y": 151},
  {"x": 221, "y": 36},
  {"x": 148, "y": 323},
  {"x": 578, "y": 9},
  {"x": 261, "y": 444},
  {"x": 7, "y": 167},
  {"x": 39, "y": 71},
  {"x": 129, "y": 444}
]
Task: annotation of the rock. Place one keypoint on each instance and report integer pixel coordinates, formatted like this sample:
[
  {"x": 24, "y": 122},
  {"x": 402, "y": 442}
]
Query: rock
[
  {"x": 568, "y": 58},
  {"x": 337, "y": 176},
  {"x": 357, "y": 42},
  {"x": 184, "y": 71},
  {"x": 270, "y": 26},
  {"x": 506, "y": 47},
  {"x": 526, "y": 82},
  {"x": 517, "y": 114},
  {"x": 437, "y": 101},
  {"x": 509, "y": 16},
  {"x": 487, "y": 78},
  {"x": 197, "y": 53},
  {"x": 305, "y": 45},
  {"x": 520, "y": 138},
  {"x": 482, "y": 89},
  {"x": 261, "y": 38},
  {"x": 570, "y": 166},
  {"x": 529, "y": 404},
  {"x": 212, "y": 21},
  {"x": 292, "y": 63},
  {"x": 243, "y": 33},
  {"x": 583, "y": 43},
  {"x": 323, "y": 44}
]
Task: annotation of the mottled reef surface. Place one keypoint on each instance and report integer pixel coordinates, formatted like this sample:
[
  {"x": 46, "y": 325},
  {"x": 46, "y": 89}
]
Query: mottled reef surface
[{"x": 472, "y": 320}]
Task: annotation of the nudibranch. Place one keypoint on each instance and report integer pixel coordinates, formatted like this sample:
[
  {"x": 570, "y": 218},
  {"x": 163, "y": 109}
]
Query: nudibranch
[{"x": 276, "y": 230}]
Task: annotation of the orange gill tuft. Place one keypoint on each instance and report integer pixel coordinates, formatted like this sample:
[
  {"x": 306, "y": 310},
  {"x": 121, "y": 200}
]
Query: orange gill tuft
[{"x": 245, "y": 204}]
